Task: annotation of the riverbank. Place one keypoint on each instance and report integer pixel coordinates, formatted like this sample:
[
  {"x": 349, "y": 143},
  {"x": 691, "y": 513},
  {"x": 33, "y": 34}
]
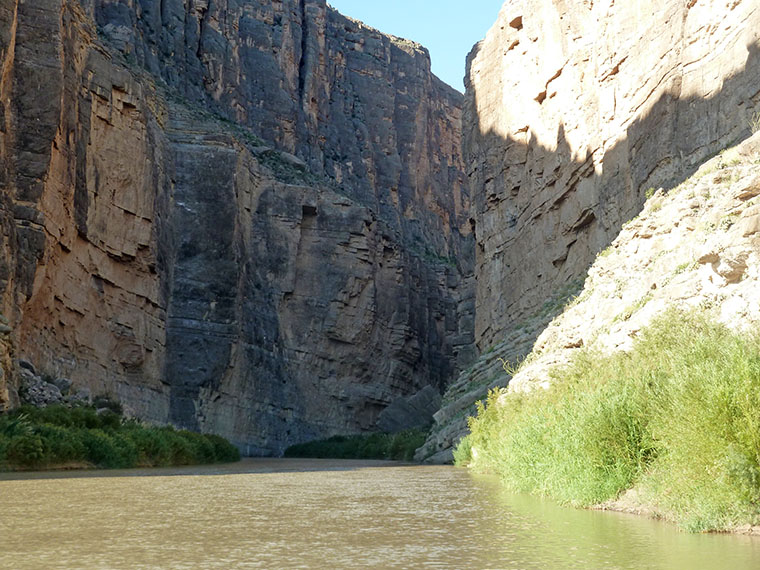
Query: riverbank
[
  {"x": 676, "y": 420},
  {"x": 80, "y": 437},
  {"x": 387, "y": 446},
  {"x": 631, "y": 502}
]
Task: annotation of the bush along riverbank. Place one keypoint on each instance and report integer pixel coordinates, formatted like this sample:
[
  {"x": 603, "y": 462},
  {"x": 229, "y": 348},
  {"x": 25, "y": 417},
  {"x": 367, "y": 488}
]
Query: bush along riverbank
[
  {"x": 390, "y": 446},
  {"x": 675, "y": 421},
  {"x": 80, "y": 437}
]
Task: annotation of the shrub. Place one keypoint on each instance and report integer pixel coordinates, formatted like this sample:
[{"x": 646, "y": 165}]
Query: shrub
[
  {"x": 754, "y": 122},
  {"x": 108, "y": 402},
  {"x": 201, "y": 448},
  {"x": 57, "y": 435},
  {"x": 180, "y": 448},
  {"x": 224, "y": 451},
  {"x": 76, "y": 417},
  {"x": 4, "y": 441},
  {"x": 398, "y": 446},
  {"x": 16, "y": 424},
  {"x": 63, "y": 445},
  {"x": 101, "y": 448},
  {"x": 152, "y": 444},
  {"x": 26, "y": 450},
  {"x": 403, "y": 444},
  {"x": 463, "y": 451},
  {"x": 128, "y": 453},
  {"x": 678, "y": 417}
]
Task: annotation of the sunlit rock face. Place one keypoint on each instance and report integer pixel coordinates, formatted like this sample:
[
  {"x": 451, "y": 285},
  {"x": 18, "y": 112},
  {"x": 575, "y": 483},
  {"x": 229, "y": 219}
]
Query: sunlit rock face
[
  {"x": 573, "y": 111},
  {"x": 248, "y": 218}
]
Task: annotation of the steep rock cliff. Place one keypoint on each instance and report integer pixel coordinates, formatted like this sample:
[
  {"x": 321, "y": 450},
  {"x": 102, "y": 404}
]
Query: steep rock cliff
[
  {"x": 695, "y": 247},
  {"x": 354, "y": 104},
  {"x": 156, "y": 248},
  {"x": 574, "y": 112}
]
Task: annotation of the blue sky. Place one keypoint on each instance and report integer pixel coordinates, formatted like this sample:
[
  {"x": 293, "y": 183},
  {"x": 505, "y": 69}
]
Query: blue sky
[{"x": 448, "y": 28}]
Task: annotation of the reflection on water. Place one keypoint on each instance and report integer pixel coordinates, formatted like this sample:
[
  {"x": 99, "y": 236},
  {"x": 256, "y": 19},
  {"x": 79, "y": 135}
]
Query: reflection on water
[{"x": 326, "y": 514}]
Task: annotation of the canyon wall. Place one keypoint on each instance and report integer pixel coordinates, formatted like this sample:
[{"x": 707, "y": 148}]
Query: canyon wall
[
  {"x": 573, "y": 111},
  {"x": 246, "y": 218}
]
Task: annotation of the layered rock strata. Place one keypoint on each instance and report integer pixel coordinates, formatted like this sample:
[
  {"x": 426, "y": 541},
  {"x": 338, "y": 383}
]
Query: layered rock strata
[
  {"x": 157, "y": 249},
  {"x": 573, "y": 111},
  {"x": 574, "y": 114},
  {"x": 696, "y": 247}
]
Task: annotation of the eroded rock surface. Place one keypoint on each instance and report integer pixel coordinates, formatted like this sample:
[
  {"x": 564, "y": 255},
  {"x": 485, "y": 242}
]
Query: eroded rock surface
[
  {"x": 575, "y": 113},
  {"x": 244, "y": 218},
  {"x": 695, "y": 247}
]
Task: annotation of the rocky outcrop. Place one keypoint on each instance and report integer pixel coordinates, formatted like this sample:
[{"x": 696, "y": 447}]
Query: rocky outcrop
[
  {"x": 39, "y": 391},
  {"x": 574, "y": 111},
  {"x": 696, "y": 247},
  {"x": 354, "y": 104},
  {"x": 574, "y": 114},
  {"x": 244, "y": 219}
]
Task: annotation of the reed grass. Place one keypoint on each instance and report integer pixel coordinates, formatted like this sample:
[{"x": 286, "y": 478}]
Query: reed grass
[{"x": 677, "y": 417}]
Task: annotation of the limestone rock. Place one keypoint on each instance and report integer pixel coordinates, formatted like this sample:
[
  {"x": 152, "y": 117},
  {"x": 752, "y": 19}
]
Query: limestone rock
[
  {"x": 35, "y": 391},
  {"x": 81, "y": 396},
  {"x": 749, "y": 189},
  {"x": 612, "y": 101},
  {"x": 415, "y": 411},
  {"x": 709, "y": 265},
  {"x": 26, "y": 365},
  {"x": 63, "y": 384},
  {"x": 582, "y": 123},
  {"x": 713, "y": 267}
]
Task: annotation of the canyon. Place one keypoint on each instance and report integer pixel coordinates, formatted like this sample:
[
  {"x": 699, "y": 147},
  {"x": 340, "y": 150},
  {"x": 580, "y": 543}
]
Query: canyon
[
  {"x": 613, "y": 102},
  {"x": 269, "y": 221},
  {"x": 248, "y": 219}
]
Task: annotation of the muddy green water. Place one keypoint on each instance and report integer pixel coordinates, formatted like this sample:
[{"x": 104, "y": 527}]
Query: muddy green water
[{"x": 326, "y": 514}]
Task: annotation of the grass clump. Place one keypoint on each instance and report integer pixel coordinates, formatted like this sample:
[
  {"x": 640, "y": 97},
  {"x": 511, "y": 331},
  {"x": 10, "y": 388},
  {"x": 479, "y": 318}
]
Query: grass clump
[
  {"x": 395, "y": 446},
  {"x": 59, "y": 436},
  {"x": 678, "y": 418},
  {"x": 754, "y": 122}
]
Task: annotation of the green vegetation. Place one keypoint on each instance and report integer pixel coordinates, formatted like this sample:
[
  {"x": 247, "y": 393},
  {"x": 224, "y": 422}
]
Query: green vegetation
[
  {"x": 754, "y": 122},
  {"x": 58, "y": 436},
  {"x": 728, "y": 158},
  {"x": 678, "y": 418},
  {"x": 605, "y": 252},
  {"x": 631, "y": 309},
  {"x": 686, "y": 266},
  {"x": 396, "y": 446},
  {"x": 727, "y": 221},
  {"x": 432, "y": 257}
]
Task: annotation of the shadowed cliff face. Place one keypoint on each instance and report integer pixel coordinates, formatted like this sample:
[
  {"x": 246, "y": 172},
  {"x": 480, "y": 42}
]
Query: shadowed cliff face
[
  {"x": 572, "y": 113},
  {"x": 354, "y": 104},
  {"x": 156, "y": 248},
  {"x": 611, "y": 100}
]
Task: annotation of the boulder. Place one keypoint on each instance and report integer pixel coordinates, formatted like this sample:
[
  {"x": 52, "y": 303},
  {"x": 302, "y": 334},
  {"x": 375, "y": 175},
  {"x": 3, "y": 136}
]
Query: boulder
[{"x": 35, "y": 391}]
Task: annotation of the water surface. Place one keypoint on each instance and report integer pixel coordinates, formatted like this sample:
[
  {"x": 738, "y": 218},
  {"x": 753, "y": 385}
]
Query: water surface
[{"x": 326, "y": 514}]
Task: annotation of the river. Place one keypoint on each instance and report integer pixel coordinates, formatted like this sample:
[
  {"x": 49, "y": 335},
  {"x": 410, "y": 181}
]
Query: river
[{"x": 326, "y": 514}]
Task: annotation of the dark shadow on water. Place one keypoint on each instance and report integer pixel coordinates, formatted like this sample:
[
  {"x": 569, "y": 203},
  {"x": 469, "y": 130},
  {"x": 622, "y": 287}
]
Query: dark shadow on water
[{"x": 247, "y": 466}]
